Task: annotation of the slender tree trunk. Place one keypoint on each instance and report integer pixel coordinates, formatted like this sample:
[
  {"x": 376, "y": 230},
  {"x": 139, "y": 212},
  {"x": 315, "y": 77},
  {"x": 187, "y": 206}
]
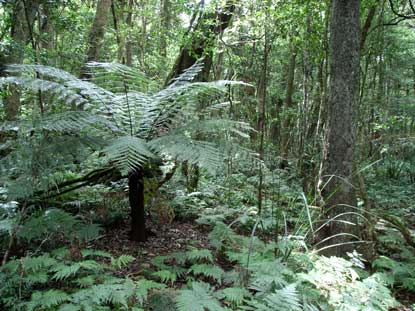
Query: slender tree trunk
[
  {"x": 288, "y": 106},
  {"x": 129, "y": 43},
  {"x": 97, "y": 32},
  {"x": 136, "y": 196},
  {"x": 336, "y": 170},
  {"x": 165, "y": 18},
  {"x": 262, "y": 97}
]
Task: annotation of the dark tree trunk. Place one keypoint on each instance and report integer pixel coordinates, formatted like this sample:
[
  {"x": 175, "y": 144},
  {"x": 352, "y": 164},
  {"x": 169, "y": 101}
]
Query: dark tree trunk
[
  {"x": 24, "y": 13},
  {"x": 335, "y": 186},
  {"x": 200, "y": 45},
  {"x": 136, "y": 195}
]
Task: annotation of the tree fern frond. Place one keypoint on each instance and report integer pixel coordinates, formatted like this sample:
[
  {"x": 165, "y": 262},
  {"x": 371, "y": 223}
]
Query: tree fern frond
[
  {"x": 183, "y": 148},
  {"x": 119, "y": 78},
  {"x": 61, "y": 83},
  {"x": 128, "y": 153},
  {"x": 198, "y": 298},
  {"x": 188, "y": 75}
]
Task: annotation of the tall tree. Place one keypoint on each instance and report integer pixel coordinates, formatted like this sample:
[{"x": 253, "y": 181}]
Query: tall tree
[
  {"x": 335, "y": 184},
  {"x": 97, "y": 32},
  {"x": 24, "y": 13}
]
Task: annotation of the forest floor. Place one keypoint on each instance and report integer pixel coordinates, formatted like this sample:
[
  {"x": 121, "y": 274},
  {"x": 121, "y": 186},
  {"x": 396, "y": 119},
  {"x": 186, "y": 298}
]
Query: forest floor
[{"x": 163, "y": 240}]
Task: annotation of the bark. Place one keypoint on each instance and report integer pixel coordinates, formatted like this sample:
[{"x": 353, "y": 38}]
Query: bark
[
  {"x": 367, "y": 24},
  {"x": 24, "y": 13},
  {"x": 337, "y": 192},
  {"x": 165, "y": 26},
  {"x": 262, "y": 97},
  {"x": 129, "y": 43},
  {"x": 136, "y": 196},
  {"x": 97, "y": 32},
  {"x": 288, "y": 105},
  {"x": 210, "y": 27}
]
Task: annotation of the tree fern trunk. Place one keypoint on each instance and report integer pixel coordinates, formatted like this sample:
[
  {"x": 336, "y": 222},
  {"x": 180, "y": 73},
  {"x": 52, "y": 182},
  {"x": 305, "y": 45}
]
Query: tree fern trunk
[{"x": 136, "y": 196}]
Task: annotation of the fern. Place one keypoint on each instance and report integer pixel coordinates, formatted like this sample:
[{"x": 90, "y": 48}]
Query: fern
[
  {"x": 47, "y": 299},
  {"x": 234, "y": 295},
  {"x": 122, "y": 261},
  {"x": 209, "y": 271},
  {"x": 198, "y": 298},
  {"x": 197, "y": 255},
  {"x": 166, "y": 276},
  {"x": 144, "y": 286},
  {"x": 283, "y": 299}
]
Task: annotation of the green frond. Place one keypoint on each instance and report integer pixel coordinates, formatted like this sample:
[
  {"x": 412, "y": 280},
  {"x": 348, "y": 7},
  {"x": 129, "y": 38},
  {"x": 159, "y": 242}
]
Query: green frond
[
  {"x": 188, "y": 75},
  {"x": 62, "y": 271},
  {"x": 95, "y": 253},
  {"x": 183, "y": 148},
  {"x": 234, "y": 295},
  {"x": 122, "y": 261},
  {"x": 196, "y": 255},
  {"x": 127, "y": 153},
  {"x": 119, "y": 78},
  {"x": 284, "y": 299},
  {"x": 198, "y": 298},
  {"x": 144, "y": 286},
  {"x": 166, "y": 276},
  {"x": 47, "y": 299},
  {"x": 61, "y": 85},
  {"x": 210, "y": 271}
]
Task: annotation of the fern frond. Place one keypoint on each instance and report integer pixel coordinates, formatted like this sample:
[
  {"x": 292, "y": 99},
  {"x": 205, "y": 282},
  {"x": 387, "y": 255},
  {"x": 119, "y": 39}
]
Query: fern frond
[
  {"x": 62, "y": 85},
  {"x": 198, "y": 298},
  {"x": 166, "y": 276},
  {"x": 144, "y": 286},
  {"x": 283, "y": 299},
  {"x": 128, "y": 153},
  {"x": 210, "y": 271},
  {"x": 188, "y": 75},
  {"x": 122, "y": 261},
  {"x": 46, "y": 300},
  {"x": 183, "y": 148},
  {"x": 119, "y": 78},
  {"x": 196, "y": 255},
  {"x": 234, "y": 295}
]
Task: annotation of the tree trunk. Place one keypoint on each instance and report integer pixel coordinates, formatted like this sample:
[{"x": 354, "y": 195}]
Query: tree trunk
[
  {"x": 201, "y": 45},
  {"x": 165, "y": 19},
  {"x": 335, "y": 187},
  {"x": 136, "y": 196},
  {"x": 288, "y": 105},
  {"x": 129, "y": 43},
  {"x": 24, "y": 13},
  {"x": 97, "y": 32}
]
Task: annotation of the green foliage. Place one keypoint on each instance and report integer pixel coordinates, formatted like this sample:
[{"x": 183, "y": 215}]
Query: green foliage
[
  {"x": 54, "y": 281},
  {"x": 338, "y": 279},
  {"x": 198, "y": 298}
]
